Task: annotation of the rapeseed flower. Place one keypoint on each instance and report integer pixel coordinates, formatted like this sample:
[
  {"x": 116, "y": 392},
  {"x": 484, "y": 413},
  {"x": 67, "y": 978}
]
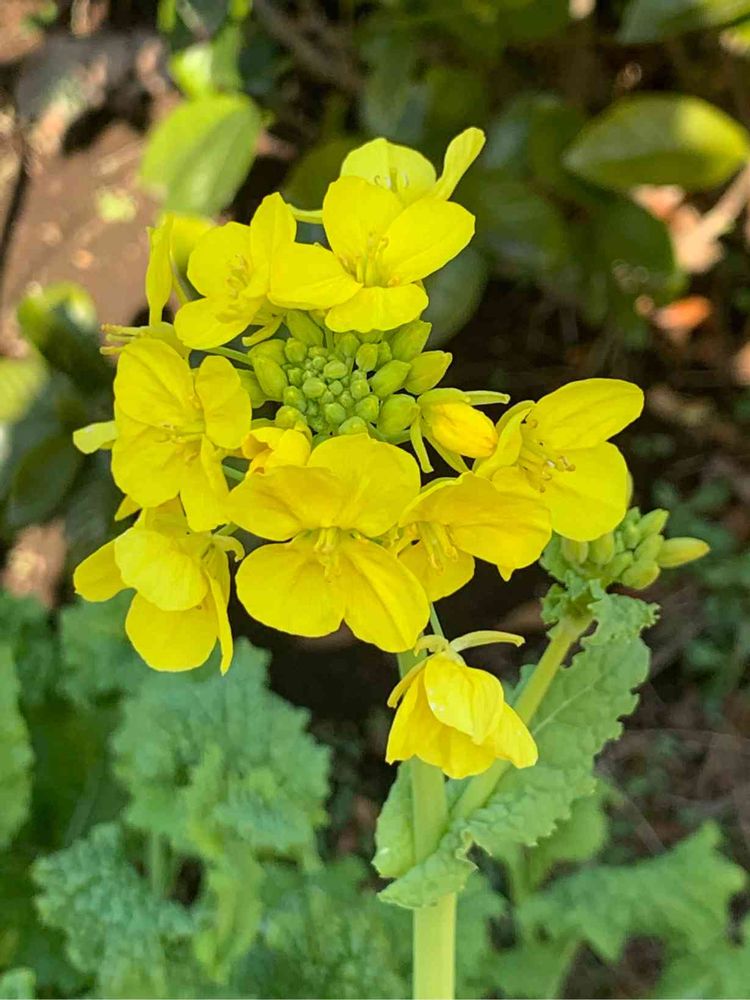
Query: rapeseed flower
[
  {"x": 456, "y": 718},
  {"x": 561, "y": 444},
  {"x": 181, "y": 580},
  {"x": 174, "y": 426},
  {"x": 231, "y": 267},
  {"x": 330, "y": 568},
  {"x": 381, "y": 250},
  {"x": 269, "y": 447}
]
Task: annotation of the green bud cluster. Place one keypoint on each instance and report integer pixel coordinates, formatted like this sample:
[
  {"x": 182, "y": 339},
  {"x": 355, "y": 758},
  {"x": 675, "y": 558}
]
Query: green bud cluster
[
  {"x": 634, "y": 554},
  {"x": 345, "y": 383}
]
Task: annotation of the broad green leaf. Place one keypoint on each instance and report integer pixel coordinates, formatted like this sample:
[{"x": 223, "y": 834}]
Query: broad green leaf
[
  {"x": 42, "y": 480},
  {"x": 394, "y": 104},
  {"x": 655, "y": 20},
  {"x": 578, "y": 838},
  {"x": 18, "y": 984},
  {"x": 681, "y": 896},
  {"x": 211, "y": 67},
  {"x": 197, "y": 158},
  {"x": 306, "y": 183},
  {"x": 455, "y": 291},
  {"x": 534, "y": 969},
  {"x": 718, "y": 969},
  {"x": 20, "y": 380},
  {"x": 659, "y": 139},
  {"x": 25, "y": 628},
  {"x": 16, "y": 755}
]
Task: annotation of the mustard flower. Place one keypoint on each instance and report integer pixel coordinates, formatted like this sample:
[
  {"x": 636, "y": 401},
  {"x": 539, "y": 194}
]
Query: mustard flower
[
  {"x": 330, "y": 568},
  {"x": 269, "y": 447},
  {"x": 561, "y": 444},
  {"x": 371, "y": 277},
  {"x": 174, "y": 426}
]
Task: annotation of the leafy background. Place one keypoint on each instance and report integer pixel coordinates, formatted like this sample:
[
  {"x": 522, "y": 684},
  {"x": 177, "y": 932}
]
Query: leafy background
[{"x": 219, "y": 845}]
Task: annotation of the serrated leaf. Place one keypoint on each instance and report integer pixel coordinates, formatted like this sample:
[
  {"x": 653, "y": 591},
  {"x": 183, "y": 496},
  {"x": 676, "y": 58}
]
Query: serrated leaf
[
  {"x": 681, "y": 896},
  {"x": 720, "y": 970},
  {"x": 16, "y": 756},
  {"x": 25, "y": 627},
  {"x": 18, "y": 984},
  {"x": 534, "y": 969},
  {"x": 578, "y": 838},
  {"x": 197, "y": 158},
  {"x": 655, "y": 20},
  {"x": 659, "y": 139},
  {"x": 222, "y": 762}
]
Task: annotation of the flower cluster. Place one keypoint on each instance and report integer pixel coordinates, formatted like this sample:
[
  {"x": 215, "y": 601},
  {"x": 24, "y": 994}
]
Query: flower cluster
[{"x": 294, "y": 398}]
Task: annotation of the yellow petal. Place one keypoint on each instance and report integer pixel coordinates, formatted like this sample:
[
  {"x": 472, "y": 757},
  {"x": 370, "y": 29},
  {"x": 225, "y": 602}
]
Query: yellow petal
[
  {"x": 286, "y": 501},
  {"x": 159, "y": 270},
  {"x": 285, "y": 587},
  {"x": 415, "y": 730},
  {"x": 591, "y": 500},
  {"x": 378, "y": 309},
  {"x": 203, "y": 489},
  {"x": 217, "y": 253},
  {"x": 512, "y": 741},
  {"x": 463, "y": 698},
  {"x": 356, "y": 215},
  {"x": 159, "y": 568},
  {"x": 404, "y": 684},
  {"x": 424, "y": 237},
  {"x": 459, "y": 156},
  {"x": 398, "y": 168},
  {"x": 522, "y": 507},
  {"x": 509, "y": 442},
  {"x": 385, "y": 604},
  {"x": 309, "y": 277},
  {"x": 217, "y": 567},
  {"x": 438, "y": 581},
  {"x": 209, "y": 323},
  {"x": 272, "y": 227},
  {"x": 226, "y": 405},
  {"x": 127, "y": 507},
  {"x": 145, "y": 466},
  {"x": 92, "y": 437},
  {"x": 154, "y": 384},
  {"x": 377, "y": 481},
  {"x": 583, "y": 414},
  {"x": 98, "y": 577},
  {"x": 171, "y": 640},
  {"x": 270, "y": 447}
]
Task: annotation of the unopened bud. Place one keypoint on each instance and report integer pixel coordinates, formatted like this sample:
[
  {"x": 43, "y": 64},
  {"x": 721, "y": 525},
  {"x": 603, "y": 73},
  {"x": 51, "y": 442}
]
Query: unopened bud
[
  {"x": 456, "y": 425},
  {"x": 367, "y": 357},
  {"x": 271, "y": 376},
  {"x": 334, "y": 413},
  {"x": 295, "y": 351},
  {"x": 303, "y": 328},
  {"x": 273, "y": 349},
  {"x": 575, "y": 552},
  {"x": 368, "y": 409},
  {"x": 640, "y": 575},
  {"x": 359, "y": 387},
  {"x": 294, "y": 397},
  {"x": 335, "y": 369},
  {"x": 347, "y": 345},
  {"x": 354, "y": 425},
  {"x": 313, "y": 387},
  {"x": 654, "y": 522},
  {"x": 384, "y": 354},
  {"x": 630, "y": 534},
  {"x": 426, "y": 371},
  {"x": 649, "y": 548},
  {"x": 619, "y": 564},
  {"x": 678, "y": 551},
  {"x": 602, "y": 549},
  {"x": 251, "y": 385},
  {"x": 287, "y": 416},
  {"x": 389, "y": 378},
  {"x": 410, "y": 340},
  {"x": 335, "y": 388},
  {"x": 396, "y": 414}
]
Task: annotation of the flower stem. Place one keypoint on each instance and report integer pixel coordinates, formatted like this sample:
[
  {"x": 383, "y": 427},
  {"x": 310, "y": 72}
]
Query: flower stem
[
  {"x": 434, "y": 943},
  {"x": 228, "y": 352}
]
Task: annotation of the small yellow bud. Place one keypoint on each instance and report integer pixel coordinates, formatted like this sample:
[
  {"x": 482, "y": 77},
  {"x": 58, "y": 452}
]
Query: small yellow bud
[
  {"x": 649, "y": 548},
  {"x": 347, "y": 345},
  {"x": 575, "y": 552},
  {"x": 410, "y": 340},
  {"x": 354, "y": 425},
  {"x": 389, "y": 378},
  {"x": 273, "y": 349},
  {"x": 602, "y": 550},
  {"x": 620, "y": 563},
  {"x": 368, "y": 408},
  {"x": 426, "y": 371},
  {"x": 270, "y": 376},
  {"x": 654, "y": 522},
  {"x": 303, "y": 328},
  {"x": 678, "y": 551},
  {"x": 252, "y": 387},
  {"x": 396, "y": 414},
  {"x": 367, "y": 357},
  {"x": 295, "y": 351},
  {"x": 457, "y": 426},
  {"x": 640, "y": 575}
]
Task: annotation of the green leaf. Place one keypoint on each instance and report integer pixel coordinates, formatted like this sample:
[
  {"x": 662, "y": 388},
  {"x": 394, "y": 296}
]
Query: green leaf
[
  {"x": 306, "y": 183},
  {"x": 534, "y": 969},
  {"x": 16, "y": 756},
  {"x": 18, "y": 984},
  {"x": 25, "y": 627},
  {"x": 659, "y": 139},
  {"x": 393, "y": 103},
  {"x": 222, "y": 762},
  {"x": 42, "y": 479},
  {"x": 197, "y": 158},
  {"x": 718, "y": 969},
  {"x": 681, "y": 896},
  {"x": 20, "y": 380},
  {"x": 207, "y": 68},
  {"x": 455, "y": 291},
  {"x": 578, "y": 838},
  {"x": 90, "y": 509},
  {"x": 655, "y": 20},
  {"x": 129, "y": 941}
]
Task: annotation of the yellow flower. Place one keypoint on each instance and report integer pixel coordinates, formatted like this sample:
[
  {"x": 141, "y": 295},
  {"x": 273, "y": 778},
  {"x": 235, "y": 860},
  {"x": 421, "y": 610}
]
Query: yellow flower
[
  {"x": 231, "y": 266},
  {"x": 270, "y": 447},
  {"x": 174, "y": 426},
  {"x": 453, "y": 427},
  {"x": 456, "y": 718},
  {"x": 330, "y": 570},
  {"x": 181, "y": 579},
  {"x": 562, "y": 446},
  {"x": 370, "y": 279},
  {"x": 454, "y": 520}
]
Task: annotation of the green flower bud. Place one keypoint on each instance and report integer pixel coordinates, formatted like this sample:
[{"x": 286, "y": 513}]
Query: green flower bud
[
  {"x": 273, "y": 349},
  {"x": 410, "y": 340},
  {"x": 303, "y": 328},
  {"x": 313, "y": 387},
  {"x": 335, "y": 369},
  {"x": 368, "y": 408},
  {"x": 678, "y": 551},
  {"x": 295, "y": 376},
  {"x": 318, "y": 424},
  {"x": 346, "y": 399},
  {"x": 427, "y": 370},
  {"x": 295, "y": 351},
  {"x": 396, "y": 414},
  {"x": 630, "y": 534},
  {"x": 287, "y": 416},
  {"x": 390, "y": 378},
  {"x": 602, "y": 550},
  {"x": 336, "y": 388},
  {"x": 575, "y": 552},
  {"x": 313, "y": 409},
  {"x": 359, "y": 387},
  {"x": 654, "y": 522},
  {"x": 327, "y": 397},
  {"x": 334, "y": 413},
  {"x": 384, "y": 354},
  {"x": 271, "y": 376},
  {"x": 251, "y": 385},
  {"x": 649, "y": 548},
  {"x": 640, "y": 575},
  {"x": 318, "y": 351},
  {"x": 619, "y": 564},
  {"x": 347, "y": 345},
  {"x": 294, "y": 397},
  {"x": 367, "y": 357},
  {"x": 317, "y": 364},
  {"x": 354, "y": 425}
]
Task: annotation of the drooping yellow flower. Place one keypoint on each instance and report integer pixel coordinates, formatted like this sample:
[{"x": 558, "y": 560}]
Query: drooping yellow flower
[
  {"x": 269, "y": 447},
  {"x": 231, "y": 266},
  {"x": 181, "y": 579},
  {"x": 453, "y": 521},
  {"x": 371, "y": 277},
  {"x": 456, "y": 718},
  {"x": 561, "y": 444},
  {"x": 174, "y": 426},
  {"x": 330, "y": 568}
]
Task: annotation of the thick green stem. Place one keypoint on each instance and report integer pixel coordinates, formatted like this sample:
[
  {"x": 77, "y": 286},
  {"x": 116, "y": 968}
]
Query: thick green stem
[
  {"x": 228, "y": 352},
  {"x": 434, "y": 944}
]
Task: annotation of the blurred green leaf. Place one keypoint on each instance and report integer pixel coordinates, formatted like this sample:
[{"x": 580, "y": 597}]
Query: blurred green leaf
[
  {"x": 655, "y": 20},
  {"x": 25, "y": 626},
  {"x": 721, "y": 971},
  {"x": 535, "y": 969},
  {"x": 207, "y": 68},
  {"x": 20, "y": 380},
  {"x": 532, "y": 20},
  {"x": 659, "y": 139},
  {"x": 197, "y": 158},
  {"x": 394, "y": 104},
  {"x": 307, "y": 181},
  {"x": 578, "y": 838},
  {"x": 455, "y": 292},
  {"x": 737, "y": 39},
  {"x": 18, "y": 984},
  {"x": 90, "y": 509},
  {"x": 41, "y": 480},
  {"x": 16, "y": 756}
]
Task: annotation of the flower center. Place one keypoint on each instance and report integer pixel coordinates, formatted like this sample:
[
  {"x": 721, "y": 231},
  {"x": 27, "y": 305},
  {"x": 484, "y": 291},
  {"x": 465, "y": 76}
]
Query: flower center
[
  {"x": 437, "y": 541},
  {"x": 368, "y": 268},
  {"x": 538, "y": 461}
]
